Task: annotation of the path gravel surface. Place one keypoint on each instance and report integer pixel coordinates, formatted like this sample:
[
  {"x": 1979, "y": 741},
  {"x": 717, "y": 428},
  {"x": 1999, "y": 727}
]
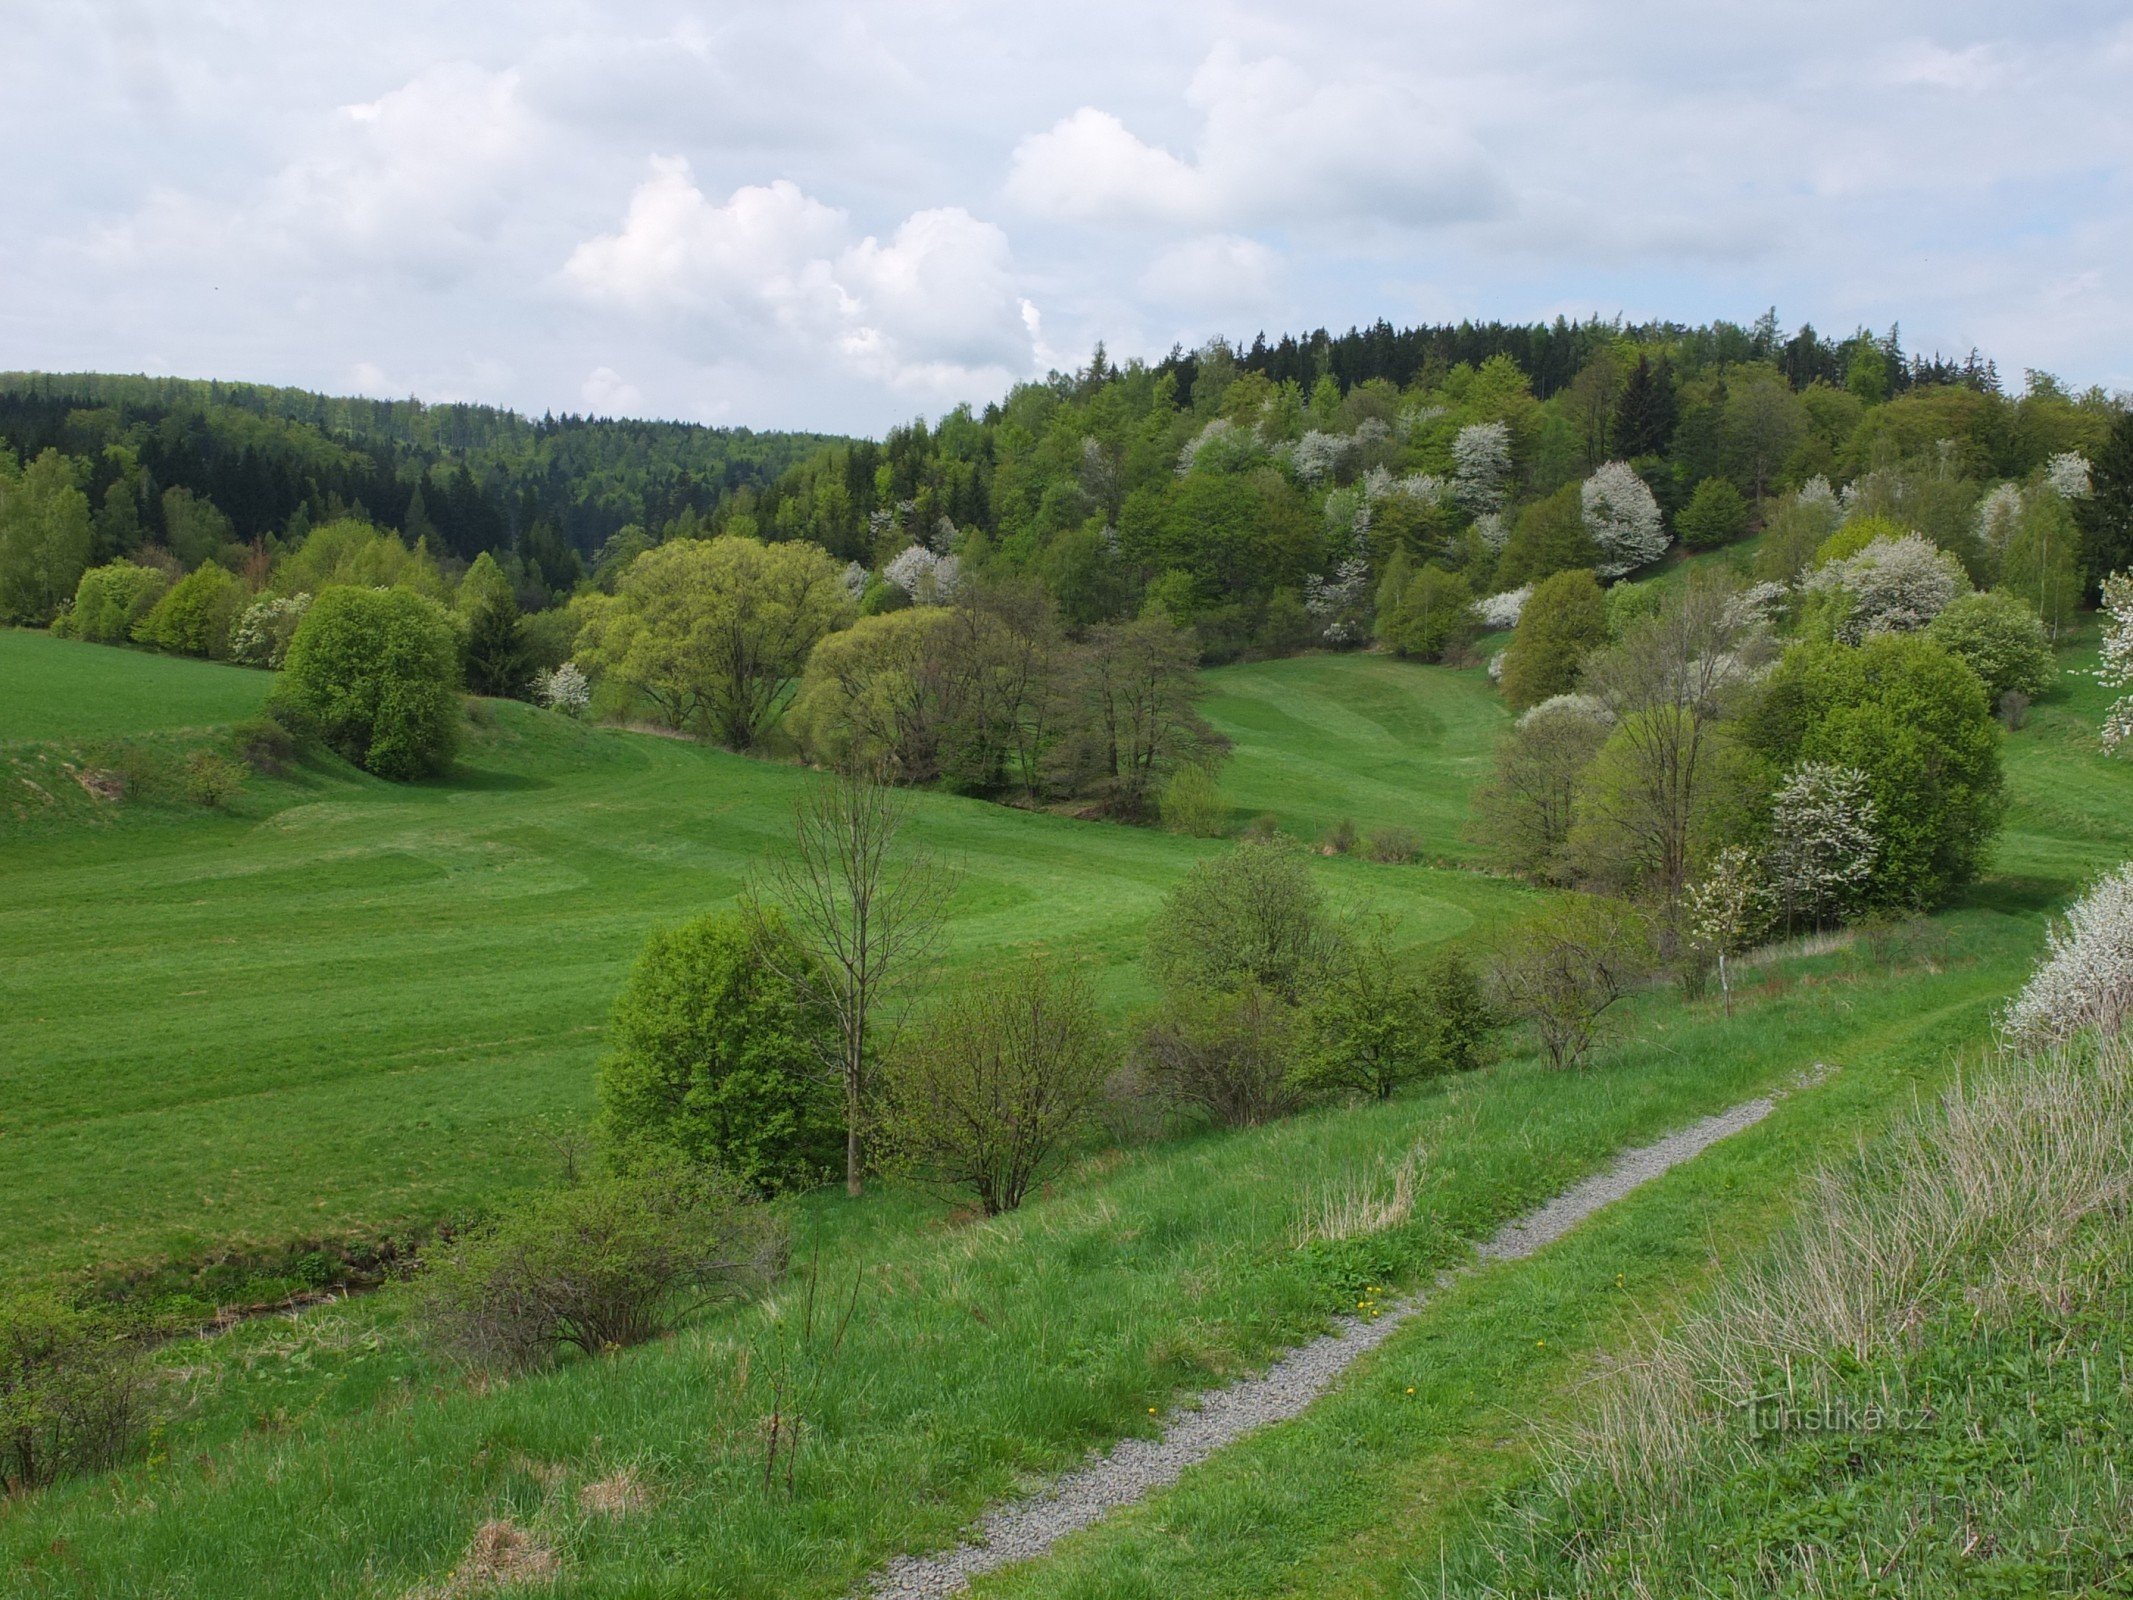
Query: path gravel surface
[{"x": 1021, "y": 1529}]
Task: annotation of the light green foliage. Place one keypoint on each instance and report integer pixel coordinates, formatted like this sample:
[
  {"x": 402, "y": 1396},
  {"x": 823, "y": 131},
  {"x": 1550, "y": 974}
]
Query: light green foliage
[
  {"x": 1548, "y": 537},
  {"x": 2001, "y": 638},
  {"x": 1252, "y": 916},
  {"x": 194, "y": 528},
  {"x": 712, "y": 632},
  {"x": 44, "y": 538},
  {"x": 1564, "y": 619},
  {"x": 875, "y": 692},
  {"x": 195, "y": 616},
  {"x": 73, "y": 1393},
  {"x": 110, "y": 601},
  {"x": 712, "y": 1054},
  {"x": 1429, "y": 615},
  {"x": 1388, "y": 1015},
  {"x": 484, "y": 585},
  {"x": 600, "y": 1265},
  {"x": 351, "y": 551},
  {"x": 212, "y": 779},
  {"x": 374, "y": 675},
  {"x": 983, "y": 1091},
  {"x": 1193, "y": 803},
  {"x": 1854, "y": 537},
  {"x": 2042, "y": 562},
  {"x": 1716, "y": 514},
  {"x": 1916, "y": 721}
]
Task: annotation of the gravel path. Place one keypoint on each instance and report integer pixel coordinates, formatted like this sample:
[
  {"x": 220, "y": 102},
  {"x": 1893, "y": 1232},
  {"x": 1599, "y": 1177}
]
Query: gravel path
[{"x": 1021, "y": 1529}]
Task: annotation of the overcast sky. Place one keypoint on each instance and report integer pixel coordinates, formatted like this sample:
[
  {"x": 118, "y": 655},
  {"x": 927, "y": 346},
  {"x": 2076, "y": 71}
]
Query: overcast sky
[{"x": 838, "y": 216}]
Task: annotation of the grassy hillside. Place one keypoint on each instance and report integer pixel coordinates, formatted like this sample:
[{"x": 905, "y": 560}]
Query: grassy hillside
[
  {"x": 348, "y": 1006},
  {"x": 61, "y": 689}
]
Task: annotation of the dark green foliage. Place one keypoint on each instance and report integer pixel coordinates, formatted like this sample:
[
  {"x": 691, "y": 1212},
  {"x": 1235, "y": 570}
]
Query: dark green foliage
[
  {"x": 2002, "y": 639},
  {"x": 1387, "y": 1016},
  {"x": 599, "y": 1266},
  {"x": 498, "y": 660},
  {"x": 1251, "y": 917},
  {"x": 374, "y": 675},
  {"x": 1564, "y": 619},
  {"x": 1917, "y": 722},
  {"x": 1716, "y": 514},
  {"x": 1549, "y": 537},
  {"x": 713, "y": 1055},
  {"x": 195, "y": 617},
  {"x": 73, "y": 1395},
  {"x": 2107, "y": 515},
  {"x": 1645, "y": 413}
]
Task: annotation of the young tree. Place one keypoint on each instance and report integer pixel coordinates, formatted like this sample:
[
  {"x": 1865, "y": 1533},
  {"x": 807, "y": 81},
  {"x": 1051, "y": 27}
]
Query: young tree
[
  {"x": 1386, "y": 1017},
  {"x": 1563, "y": 621},
  {"x": 2042, "y": 560},
  {"x": 1646, "y": 414},
  {"x": 1228, "y": 1056},
  {"x": 1564, "y": 970},
  {"x": 1481, "y": 466},
  {"x": 1718, "y": 514},
  {"x": 1822, "y": 843},
  {"x": 864, "y": 907},
  {"x": 2002, "y": 638},
  {"x": 498, "y": 662},
  {"x": 983, "y": 1095},
  {"x": 713, "y": 632},
  {"x": 1621, "y": 519},
  {"x": 1134, "y": 690},
  {"x": 374, "y": 673},
  {"x": 1427, "y": 616},
  {"x": 1728, "y": 908},
  {"x": 1525, "y": 811},
  {"x": 2116, "y": 668},
  {"x": 1548, "y": 537},
  {"x": 1253, "y": 916},
  {"x": 195, "y": 615},
  {"x": 715, "y": 1055}
]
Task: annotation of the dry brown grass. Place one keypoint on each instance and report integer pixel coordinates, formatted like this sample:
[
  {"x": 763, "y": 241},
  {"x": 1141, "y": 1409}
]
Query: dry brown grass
[
  {"x": 500, "y": 1556},
  {"x": 618, "y": 1495},
  {"x": 1366, "y": 1203}
]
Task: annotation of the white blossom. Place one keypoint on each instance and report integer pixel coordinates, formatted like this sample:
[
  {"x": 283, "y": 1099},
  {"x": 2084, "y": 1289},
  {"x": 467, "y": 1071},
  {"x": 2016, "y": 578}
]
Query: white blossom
[
  {"x": 1416, "y": 416},
  {"x": 1816, "y": 492},
  {"x": 262, "y": 633},
  {"x": 1214, "y": 430},
  {"x": 911, "y": 568},
  {"x": 1823, "y": 842},
  {"x": 2067, "y": 475},
  {"x": 1502, "y": 610},
  {"x": 1998, "y": 515},
  {"x": 1493, "y": 532},
  {"x": 1317, "y": 456},
  {"x": 1623, "y": 520},
  {"x": 1759, "y": 603},
  {"x": 565, "y": 689},
  {"x": 1481, "y": 465},
  {"x": 1728, "y": 907},
  {"x": 1894, "y": 586},
  {"x": 1337, "y": 602},
  {"x": 1496, "y": 666},
  {"x": 1372, "y": 430},
  {"x": 2116, "y": 671},
  {"x": 856, "y": 577},
  {"x": 2086, "y": 977},
  {"x": 1569, "y": 708}
]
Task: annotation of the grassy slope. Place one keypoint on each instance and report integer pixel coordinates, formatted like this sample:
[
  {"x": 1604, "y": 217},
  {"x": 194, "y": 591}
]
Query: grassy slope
[
  {"x": 60, "y": 689},
  {"x": 349, "y": 1006}
]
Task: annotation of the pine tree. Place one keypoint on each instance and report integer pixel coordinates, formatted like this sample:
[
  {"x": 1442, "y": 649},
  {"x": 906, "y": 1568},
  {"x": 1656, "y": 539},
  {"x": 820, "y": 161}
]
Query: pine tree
[
  {"x": 2107, "y": 515},
  {"x": 1646, "y": 414},
  {"x": 497, "y": 659}
]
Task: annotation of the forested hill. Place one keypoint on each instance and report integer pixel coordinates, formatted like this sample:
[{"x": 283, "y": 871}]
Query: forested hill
[{"x": 469, "y": 477}]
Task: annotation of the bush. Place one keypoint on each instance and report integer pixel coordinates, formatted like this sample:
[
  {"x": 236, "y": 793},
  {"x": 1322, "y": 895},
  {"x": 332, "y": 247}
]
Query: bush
[
  {"x": 602, "y": 1265},
  {"x": 261, "y": 635},
  {"x": 1192, "y": 802},
  {"x": 1225, "y": 1056},
  {"x": 2086, "y": 978},
  {"x": 1394, "y": 846},
  {"x": 1565, "y": 619},
  {"x": 374, "y": 673},
  {"x": 984, "y": 1091},
  {"x": 195, "y": 617},
  {"x": 1388, "y": 1017},
  {"x": 1250, "y": 918},
  {"x": 1340, "y": 839},
  {"x": 1565, "y": 970},
  {"x": 212, "y": 779},
  {"x": 110, "y": 602},
  {"x": 1432, "y": 615},
  {"x": 2002, "y": 638},
  {"x": 715, "y": 1057},
  {"x": 264, "y": 745},
  {"x": 1716, "y": 514},
  {"x": 73, "y": 1393}
]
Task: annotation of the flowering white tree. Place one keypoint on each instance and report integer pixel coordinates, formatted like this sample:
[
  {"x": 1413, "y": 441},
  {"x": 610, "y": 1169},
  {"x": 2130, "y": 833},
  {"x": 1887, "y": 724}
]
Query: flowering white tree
[
  {"x": 262, "y": 634},
  {"x": 1337, "y": 603},
  {"x": 927, "y": 578},
  {"x": 2116, "y": 672},
  {"x": 1822, "y": 842},
  {"x": 2067, "y": 475},
  {"x": 1998, "y": 515},
  {"x": 2086, "y": 977},
  {"x": 1215, "y": 429},
  {"x": 1728, "y": 909},
  {"x": 1502, "y": 610},
  {"x": 1758, "y": 604},
  {"x": 1317, "y": 456},
  {"x": 565, "y": 689},
  {"x": 1623, "y": 520},
  {"x": 856, "y": 577},
  {"x": 1481, "y": 465},
  {"x": 1893, "y": 586},
  {"x": 1493, "y": 532},
  {"x": 1817, "y": 493}
]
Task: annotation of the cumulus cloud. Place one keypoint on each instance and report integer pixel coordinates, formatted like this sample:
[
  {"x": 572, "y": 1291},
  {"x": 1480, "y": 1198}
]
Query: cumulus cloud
[
  {"x": 1276, "y": 145},
  {"x": 1220, "y": 273},
  {"x": 933, "y": 310}
]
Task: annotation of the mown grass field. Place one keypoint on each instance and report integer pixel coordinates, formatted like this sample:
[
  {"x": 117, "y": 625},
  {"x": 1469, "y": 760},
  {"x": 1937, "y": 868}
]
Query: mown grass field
[
  {"x": 348, "y": 1007},
  {"x": 63, "y": 689}
]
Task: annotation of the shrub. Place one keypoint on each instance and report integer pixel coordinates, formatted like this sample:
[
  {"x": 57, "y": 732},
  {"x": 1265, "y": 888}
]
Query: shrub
[
  {"x": 261, "y": 635},
  {"x": 563, "y": 689},
  {"x": 195, "y": 617},
  {"x": 1716, "y": 514},
  {"x": 110, "y": 602},
  {"x": 1393, "y": 846},
  {"x": 981, "y": 1095},
  {"x": 1565, "y": 970},
  {"x": 374, "y": 673},
  {"x": 74, "y": 1396},
  {"x": 714, "y": 1056},
  {"x": 1822, "y": 842},
  {"x": 212, "y": 779},
  {"x": 1340, "y": 838},
  {"x": 1388, "y": 1017},
  {"x": 1192, "y": 802},
  {"x": 2086, "y": 978},
  {"x": 2002, "y": 638},
  {"x": 1565, "y": 618},
  {"x": 1226, "y": 1056},
  {"x": 601, "y": 1265},
  {"x": 264, "y": 745},
  {"x": 1252, "y": 917}
]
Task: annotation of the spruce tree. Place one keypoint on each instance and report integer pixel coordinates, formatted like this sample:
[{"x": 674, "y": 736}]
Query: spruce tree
[
  {"x": 1645, "y": 415},
  {"x": 2107, "y": 515}
]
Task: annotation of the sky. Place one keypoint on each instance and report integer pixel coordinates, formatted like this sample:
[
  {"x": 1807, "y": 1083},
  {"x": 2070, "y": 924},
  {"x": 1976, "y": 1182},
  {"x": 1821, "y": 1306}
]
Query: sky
[{"x": 839, "y": 216}]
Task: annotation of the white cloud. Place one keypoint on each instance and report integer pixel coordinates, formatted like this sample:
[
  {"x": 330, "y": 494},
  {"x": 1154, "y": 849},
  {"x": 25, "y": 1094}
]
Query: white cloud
[
  {"x": 934, "y": 311},
  {"x": 1220, "y": 273},
  {"x": 606, "y": 394},
  {"x": 1277, "y": 146}
]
